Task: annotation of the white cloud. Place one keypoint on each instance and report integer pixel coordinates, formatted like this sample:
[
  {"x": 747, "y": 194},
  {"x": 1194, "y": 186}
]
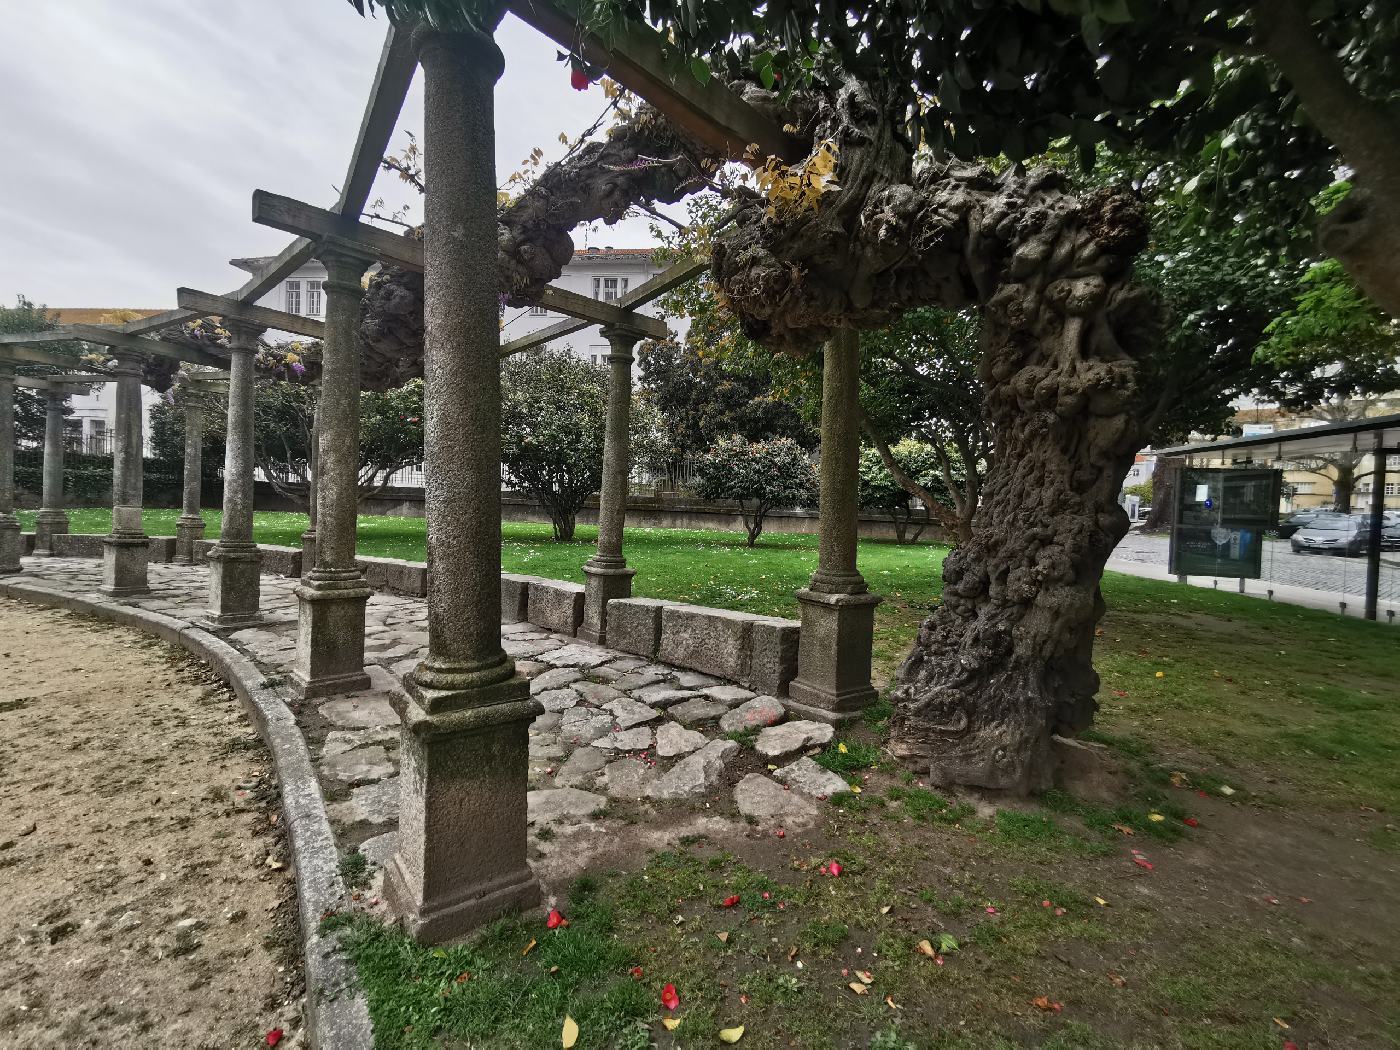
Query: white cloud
[{"x": 134, "y": 135}]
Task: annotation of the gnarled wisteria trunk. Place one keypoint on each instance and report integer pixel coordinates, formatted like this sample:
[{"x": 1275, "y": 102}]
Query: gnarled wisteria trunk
[{"x": 1005, "y": 660}]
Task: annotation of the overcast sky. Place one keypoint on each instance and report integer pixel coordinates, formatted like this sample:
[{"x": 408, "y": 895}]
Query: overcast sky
[{"x": 133, "y": 135}]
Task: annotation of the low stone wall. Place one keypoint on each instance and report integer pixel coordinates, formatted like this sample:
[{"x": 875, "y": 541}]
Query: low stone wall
[{"x": 758, "y": 652}]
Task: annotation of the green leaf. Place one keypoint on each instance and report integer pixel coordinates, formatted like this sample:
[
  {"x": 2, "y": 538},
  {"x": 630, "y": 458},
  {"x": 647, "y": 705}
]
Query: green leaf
[
  {"x": 947, "y": 943},
  {"x": 699, "y": 70},
  {"x": 765, "y": 74}
]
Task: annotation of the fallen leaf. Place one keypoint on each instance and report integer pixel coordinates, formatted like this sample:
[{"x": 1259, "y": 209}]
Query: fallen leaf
[
  {"x": 669, "y": 998},
  {"x": 555, "y": 920},
  {"x": 1156, "y": 818},
  {"x": 1161, "y": 674},
  {"x": 925, "y": 948},
  {"x": 889, "y": 1001},
  {"x": 886, "y": 909},
  {"x": 1118, "y": 981},
  {"x": 1101, "y": 902},
  {"x": 723, "y": 936},
  {"x": 670, "y": 1023},
  {"x": 1282, "y": 1023},
  {"x": 947, "y": 943},
  {"x": 842, "y": 748},
  {"x": 1043, "y": 1002},
  {"x": 1124, "y": 829},
  {"x": 792, "y": 953},
  {"x": 1179, "y": 779},
  {"x": 857, "y": 987},
  {"x": 1226, "y": 789},
  {"x": 866, "y": 976},
  {"x": 274, "y": 1037},
  {"x": 855, "y": 789},
  {"x": 528, "y": 947},
  {"x": 729, "y": 902},
  {"x": 731, "y": 1035},
  {"x": 570, "y": 1034}
]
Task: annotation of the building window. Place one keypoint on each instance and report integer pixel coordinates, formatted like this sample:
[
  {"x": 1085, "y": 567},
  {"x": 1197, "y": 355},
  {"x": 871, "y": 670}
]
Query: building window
[
  {"x": 609, "y": 288},
  {"x": 293, "y": 297},
  {"x": 313, "y": 298},
  {"x": 1392, "y": 488},
  {"x": 538, "y": 311},
  {"x": 1303, "y": 488}
]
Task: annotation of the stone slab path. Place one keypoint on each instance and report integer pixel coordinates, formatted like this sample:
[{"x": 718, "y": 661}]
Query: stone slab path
[{"x": 623, "y": 742}]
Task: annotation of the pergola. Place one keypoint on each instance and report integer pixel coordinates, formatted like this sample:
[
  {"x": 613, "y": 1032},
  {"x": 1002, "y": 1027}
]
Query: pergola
[
  {"x": 461, "y": 849},
  {"x": 1378, "y": 435}
]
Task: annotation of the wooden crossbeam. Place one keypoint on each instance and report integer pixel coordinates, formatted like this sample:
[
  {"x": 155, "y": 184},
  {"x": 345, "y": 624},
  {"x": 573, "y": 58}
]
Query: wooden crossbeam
[
  {"x": 673, "y": 276},
  {"x": 634, "y": 57},
  {"x": 284, "y": 213},
  {"x": 61, "y": 384},
  {"x": 28, "y": 355},
  {"x": 206, "y": 304},
  {"x": 135, "y": 344},
  {"x": 56, "y": 335}
]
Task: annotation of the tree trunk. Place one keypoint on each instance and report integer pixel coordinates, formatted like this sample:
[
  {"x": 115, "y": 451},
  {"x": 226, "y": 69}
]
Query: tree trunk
[
  {"x": 1166, "y": 475},
  {"x": 1343, "y": 485},
  {"x": 899, "y": 524},
  {"x": 563, "y": 520}
]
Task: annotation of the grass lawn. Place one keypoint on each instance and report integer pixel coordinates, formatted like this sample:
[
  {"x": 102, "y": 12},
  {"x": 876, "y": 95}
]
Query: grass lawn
[{"x": 1259, "y": 747}]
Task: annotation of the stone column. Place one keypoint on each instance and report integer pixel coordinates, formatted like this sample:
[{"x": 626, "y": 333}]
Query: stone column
[
  {"x": 126, "y": 549},
  {"x": 838, "y": 612},
  {"x": 460, "y": 859},
  {"x": 189, "y": 527},
  {"x": 9, "y": 524},
  {"x": 235, "y": 565},
  {"x": 331, "y": 597},
  {"x": 308, "y": 538},
  {"x": 606, "y": 575},
  {"x": 52, "y": 519}
]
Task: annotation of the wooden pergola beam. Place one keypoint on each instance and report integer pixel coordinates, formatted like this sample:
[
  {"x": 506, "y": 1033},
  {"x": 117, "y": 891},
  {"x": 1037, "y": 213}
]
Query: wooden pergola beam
[
  {"x": 135, "y": 344},
  {"x": 284, "y": 213},
  {"x": 27, "y": 355},
  {"x": 60, "y": 384},
  {"x": 634, "y": 56},
  {"x": 206, "y": 304},
  {"x": 673, "y": 276}
]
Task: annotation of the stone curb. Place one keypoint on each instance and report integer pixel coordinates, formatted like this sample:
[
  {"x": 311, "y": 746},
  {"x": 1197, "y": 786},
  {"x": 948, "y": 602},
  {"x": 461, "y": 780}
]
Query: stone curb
[{"x": 337, "y": 1013}]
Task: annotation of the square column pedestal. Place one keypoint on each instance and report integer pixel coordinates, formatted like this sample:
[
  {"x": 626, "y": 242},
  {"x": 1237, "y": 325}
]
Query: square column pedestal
[
  {"x": 331, "y": 633},
  {"x": 460, "y": 858},
  {"x": 10, "y": 544},
  {"x": 235, "y": 585},
  {"x": 47, "y": 525},
  {"x": 601, "y": 585},
  {"x": 833, "y": 656},
  {"x": 125, "y": 554},
  {"x": 188, "y": 532}
]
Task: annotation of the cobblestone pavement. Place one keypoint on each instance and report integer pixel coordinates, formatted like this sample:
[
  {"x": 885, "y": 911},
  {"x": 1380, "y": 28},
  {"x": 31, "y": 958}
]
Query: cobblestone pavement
[
  {"x": 616, "y": 728},
  {"x": 1318, "y": 572}
]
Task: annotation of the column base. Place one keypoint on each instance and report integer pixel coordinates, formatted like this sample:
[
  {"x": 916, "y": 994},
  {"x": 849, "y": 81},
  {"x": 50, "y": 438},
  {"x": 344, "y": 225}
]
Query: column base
[
  {"x": 124, "y": 558},
  {"x": 833, "y": 656},
  {"x": 460, "y": 856},
  {"x": 48, "y": 523},
  {"x": 11, "y": 546},
  {"x": 330, "y": 654},
  {"x": 308, "y": 551},
  {"x": 189, "y": 530},
  {"x": 602, "y": 583},
  {"x": 235, "y": 582}
]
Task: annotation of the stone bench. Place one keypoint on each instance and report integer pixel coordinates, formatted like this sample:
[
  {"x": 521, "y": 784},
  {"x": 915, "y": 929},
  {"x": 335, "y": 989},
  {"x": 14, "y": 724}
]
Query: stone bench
[
  {"x": 759, "y": 652},
  {"x": 89, "y": 545}
]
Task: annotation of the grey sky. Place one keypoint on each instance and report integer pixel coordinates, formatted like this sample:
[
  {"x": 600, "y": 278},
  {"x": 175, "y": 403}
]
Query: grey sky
[{"x": 133, "y": 135}]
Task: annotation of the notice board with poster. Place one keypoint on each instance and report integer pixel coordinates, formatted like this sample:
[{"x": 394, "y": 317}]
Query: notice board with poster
[{"x": 1219, "y": 521}]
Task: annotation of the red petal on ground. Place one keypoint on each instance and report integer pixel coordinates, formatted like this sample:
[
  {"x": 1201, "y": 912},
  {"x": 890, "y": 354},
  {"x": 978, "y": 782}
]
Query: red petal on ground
[
  {"x": 729, "y": 902},
  {"x": 669, "y": 998},
  {"x": 555, "y": 920},
  {"x": 274, "y": 1037}
]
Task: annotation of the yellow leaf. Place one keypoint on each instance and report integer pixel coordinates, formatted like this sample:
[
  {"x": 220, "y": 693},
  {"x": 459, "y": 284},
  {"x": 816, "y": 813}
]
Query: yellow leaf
[
  {"x": 889, "y": 1001},
  {"x": 1101, "y": 902},
  {"x": 1156, "y": 818},
  {"x": 855, "y": 789},
  {"x": 570, "y": 1034},
  {"x": 671, "y": 1023},
  {"x": 866, "y": 976},
  {"x": 1123, "y": 828},
  {"x": 857, "y": 987},
  {"x": 927, "y": 949},
  {"x": 526, "y": 949},
  {"x": 886, "y": 909},
  {"x": 1161, "y": 674},
  {"x": 723, "y": 936},
  {"x": 843, "y": 748},
  {"x": 731, "y": 1035}
]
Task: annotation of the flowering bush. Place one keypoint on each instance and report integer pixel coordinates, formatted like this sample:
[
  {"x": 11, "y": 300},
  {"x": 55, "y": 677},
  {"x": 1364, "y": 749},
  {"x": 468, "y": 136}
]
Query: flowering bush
[{"x": 760, "y": 475}]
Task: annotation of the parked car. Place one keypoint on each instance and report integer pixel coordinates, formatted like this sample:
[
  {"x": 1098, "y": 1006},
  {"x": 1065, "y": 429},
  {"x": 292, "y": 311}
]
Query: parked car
[
  {"x": 1303, "y": 518},
  {"x": 1332, "y": 534},
  {"x": 1390, "y": 538}
]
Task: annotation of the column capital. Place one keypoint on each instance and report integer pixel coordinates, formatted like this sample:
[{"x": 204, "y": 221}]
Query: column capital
[
  {"x": 475, "y": 50},
  {"x": 242, "y": 335},
  {"x": 345, "y": 265},
  {"x": 621, "y": 340},
  {"x": 128, "y": 365}
]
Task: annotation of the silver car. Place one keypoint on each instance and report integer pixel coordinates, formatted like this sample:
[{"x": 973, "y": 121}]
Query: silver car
[{"x": 1332, "y": 534}]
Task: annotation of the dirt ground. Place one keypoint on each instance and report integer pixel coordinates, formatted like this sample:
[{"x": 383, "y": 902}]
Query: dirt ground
[{"x": 145, "y": 897}]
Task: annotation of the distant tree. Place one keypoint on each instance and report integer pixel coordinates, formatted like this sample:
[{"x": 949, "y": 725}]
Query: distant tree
[
  {"x": 30, "y": 408},
  {"x": 552, "y": 427},
  {"x": 881, "y": 491},
  {"x": 168, "y": 432},
  {"x": 760, "y": 475},
  {"x": 391, "y": 434}
]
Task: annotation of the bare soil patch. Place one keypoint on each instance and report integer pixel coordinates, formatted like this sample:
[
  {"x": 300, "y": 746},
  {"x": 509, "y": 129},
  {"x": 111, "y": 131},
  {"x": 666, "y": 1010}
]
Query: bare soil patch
[{"x": 146, "y": 894}]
